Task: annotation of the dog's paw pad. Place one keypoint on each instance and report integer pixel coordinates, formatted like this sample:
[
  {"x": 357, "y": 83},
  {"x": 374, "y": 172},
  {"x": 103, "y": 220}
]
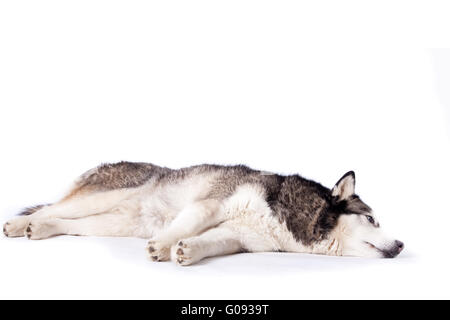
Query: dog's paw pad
[
  {"x": 5, "y": 230},
  {"x": 29, "y": 231},
  {"x": 44, "y": 229},
  {"x": 158, "y": 251},
  {"x": 184, "y": 254},
  {"x": 181, "y": 244}
]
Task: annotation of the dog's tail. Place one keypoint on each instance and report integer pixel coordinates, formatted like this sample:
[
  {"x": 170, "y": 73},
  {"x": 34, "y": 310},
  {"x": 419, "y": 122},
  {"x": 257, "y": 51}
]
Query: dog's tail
[{"x": 33, "y": 209}]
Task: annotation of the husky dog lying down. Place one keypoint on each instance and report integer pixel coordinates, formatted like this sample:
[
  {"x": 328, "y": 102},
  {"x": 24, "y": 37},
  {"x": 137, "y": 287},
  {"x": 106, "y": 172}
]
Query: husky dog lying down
[{"x": 210, "y": 210}]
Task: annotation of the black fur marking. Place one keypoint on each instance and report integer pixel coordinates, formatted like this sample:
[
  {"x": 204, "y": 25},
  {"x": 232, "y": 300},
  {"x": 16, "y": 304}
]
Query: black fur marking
[
  {"x": 31, "y": 210},
  {"x": 309, "y": 210}
]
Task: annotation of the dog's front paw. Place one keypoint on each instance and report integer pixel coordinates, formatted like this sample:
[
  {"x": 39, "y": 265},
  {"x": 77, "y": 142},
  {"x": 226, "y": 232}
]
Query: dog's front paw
[
  {"x": 15, "y": 227},
  {"x": 158, "y": 251},
  {"x": 185, "y": 253},
  {"x": 37, "y": 230}
]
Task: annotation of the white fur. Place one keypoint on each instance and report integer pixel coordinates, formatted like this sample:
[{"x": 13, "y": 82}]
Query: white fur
[{"x": 360, "y": 238}]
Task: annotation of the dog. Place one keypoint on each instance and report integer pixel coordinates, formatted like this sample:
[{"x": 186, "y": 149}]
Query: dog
[{"x": 210, "y": 210}]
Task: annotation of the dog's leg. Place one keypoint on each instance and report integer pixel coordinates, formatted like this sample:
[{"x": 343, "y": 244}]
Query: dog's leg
[
  {"x": 76, "y": 207},
  {"x": 214, "y": 242},
  {"x": 106, "y": 225},
  {"x": 85, "y": 205},
  {"x": 192, "y": 220}
]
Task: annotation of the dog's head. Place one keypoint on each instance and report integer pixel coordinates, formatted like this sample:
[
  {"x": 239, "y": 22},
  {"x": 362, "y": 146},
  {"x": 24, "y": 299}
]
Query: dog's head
[{"x": 357, "y": 229}]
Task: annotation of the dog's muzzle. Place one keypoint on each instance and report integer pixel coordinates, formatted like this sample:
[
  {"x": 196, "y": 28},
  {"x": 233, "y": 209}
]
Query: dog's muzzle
[{"x": 395, "y": 250}]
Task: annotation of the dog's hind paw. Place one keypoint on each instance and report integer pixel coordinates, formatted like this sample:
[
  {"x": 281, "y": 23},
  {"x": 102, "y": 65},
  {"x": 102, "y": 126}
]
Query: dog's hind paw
[
  {"x": 15, "y": 227},
  {"x": 37, "y": 230},
  {"x": 158, "y": 251}
]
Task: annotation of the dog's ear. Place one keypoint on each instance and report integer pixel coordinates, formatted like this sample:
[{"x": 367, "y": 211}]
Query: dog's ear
[{"x": 345, "y": 187}]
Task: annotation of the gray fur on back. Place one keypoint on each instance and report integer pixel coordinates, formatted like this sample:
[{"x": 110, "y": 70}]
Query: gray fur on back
[{"x": 120, "y": 175}]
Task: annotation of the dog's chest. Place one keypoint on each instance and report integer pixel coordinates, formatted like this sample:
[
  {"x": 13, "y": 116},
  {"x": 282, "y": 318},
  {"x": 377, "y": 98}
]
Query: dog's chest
[{"x": 247, "y": 212}]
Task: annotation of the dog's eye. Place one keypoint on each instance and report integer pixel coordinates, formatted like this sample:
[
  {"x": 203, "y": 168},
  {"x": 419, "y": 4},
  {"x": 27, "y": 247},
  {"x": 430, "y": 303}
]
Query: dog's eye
[{"x": 370, "y": 219}]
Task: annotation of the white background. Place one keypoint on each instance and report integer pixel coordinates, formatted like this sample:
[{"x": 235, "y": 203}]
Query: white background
[{"x": 316, "y": 88}]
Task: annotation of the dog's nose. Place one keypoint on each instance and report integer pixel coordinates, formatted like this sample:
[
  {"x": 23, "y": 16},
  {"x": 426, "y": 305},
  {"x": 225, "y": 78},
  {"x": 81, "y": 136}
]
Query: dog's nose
[
  {"x": 399, "y": 245},
  {"x": 395, "y": 249}
]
